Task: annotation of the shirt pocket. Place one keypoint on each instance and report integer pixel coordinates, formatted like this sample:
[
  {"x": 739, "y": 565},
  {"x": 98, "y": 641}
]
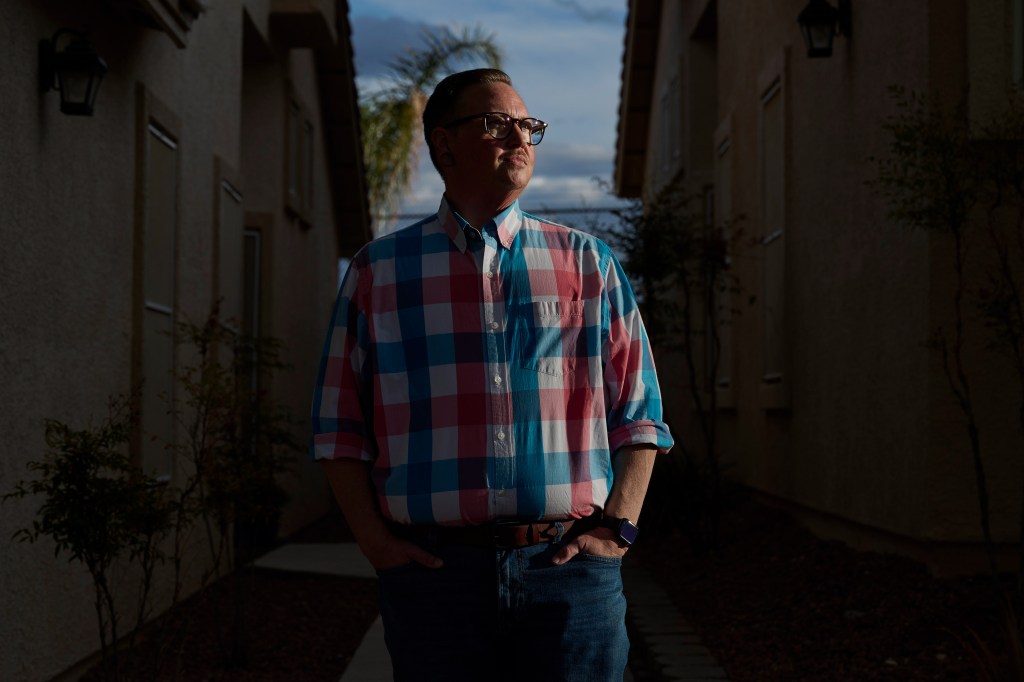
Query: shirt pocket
[{"x": 550, "y": 336}]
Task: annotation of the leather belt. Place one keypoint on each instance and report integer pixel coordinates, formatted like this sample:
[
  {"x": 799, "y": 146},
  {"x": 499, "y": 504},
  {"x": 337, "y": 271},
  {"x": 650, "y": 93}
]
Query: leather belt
[{"x": 495, "y": 535}]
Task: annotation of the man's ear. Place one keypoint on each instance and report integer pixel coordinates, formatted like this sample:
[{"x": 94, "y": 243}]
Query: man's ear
[{"x": 442, "y": 140}]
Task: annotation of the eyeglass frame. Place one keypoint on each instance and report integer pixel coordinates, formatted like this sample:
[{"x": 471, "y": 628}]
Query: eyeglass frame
[{"x": 511, "y": 120}]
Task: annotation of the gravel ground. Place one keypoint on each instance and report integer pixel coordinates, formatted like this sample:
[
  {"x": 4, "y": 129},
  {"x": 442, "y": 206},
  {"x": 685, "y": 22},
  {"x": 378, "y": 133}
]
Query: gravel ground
[
  {"x": 297, "y": 627},
  {"x": 776, "y": 603},
  {"x": 773, "y": 604}
]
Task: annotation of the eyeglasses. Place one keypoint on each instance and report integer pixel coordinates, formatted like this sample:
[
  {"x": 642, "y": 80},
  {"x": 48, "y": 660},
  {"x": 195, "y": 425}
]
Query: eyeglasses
[{"x": 499, "y": 125}]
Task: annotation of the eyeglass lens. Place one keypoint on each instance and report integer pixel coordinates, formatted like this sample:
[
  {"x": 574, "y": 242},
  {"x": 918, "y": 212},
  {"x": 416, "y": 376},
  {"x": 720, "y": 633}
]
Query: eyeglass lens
[{"x": 499, "y": 126}]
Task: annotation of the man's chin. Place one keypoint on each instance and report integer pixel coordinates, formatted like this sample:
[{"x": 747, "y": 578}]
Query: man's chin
[{"x": 517, "y": 178}]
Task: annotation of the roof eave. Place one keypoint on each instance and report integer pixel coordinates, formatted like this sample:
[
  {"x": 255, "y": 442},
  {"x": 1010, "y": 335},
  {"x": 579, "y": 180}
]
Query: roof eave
[
  {"x": 635, "y": 95},
  {"x": 343, "y": 138}
]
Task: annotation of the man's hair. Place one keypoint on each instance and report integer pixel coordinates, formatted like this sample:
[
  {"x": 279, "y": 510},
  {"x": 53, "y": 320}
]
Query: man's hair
[{"x": 441, "y": 105}]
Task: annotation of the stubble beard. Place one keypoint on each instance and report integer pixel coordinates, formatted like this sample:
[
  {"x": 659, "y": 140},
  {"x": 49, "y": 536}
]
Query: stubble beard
[{"x": 516, "y": 170}]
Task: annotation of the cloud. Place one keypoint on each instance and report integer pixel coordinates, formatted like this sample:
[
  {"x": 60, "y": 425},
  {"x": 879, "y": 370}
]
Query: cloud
[
  {"x": 566, "y": 62},
  {"x": 563, "y": 160},
  {"x": 547, "y": 193},
  {"x": 588, "y": 12},
  {"x": 379, "y": 41},
  {"x": 563, "y": 176}
]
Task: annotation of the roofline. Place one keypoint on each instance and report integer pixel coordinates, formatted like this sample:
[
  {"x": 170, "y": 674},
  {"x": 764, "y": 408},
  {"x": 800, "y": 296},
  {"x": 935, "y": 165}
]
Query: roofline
[
  {"x": 343, "y": 139},
  {"x": 639, "y": 60}
]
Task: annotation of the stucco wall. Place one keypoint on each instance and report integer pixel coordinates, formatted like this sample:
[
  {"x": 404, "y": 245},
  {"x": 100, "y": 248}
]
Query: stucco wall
[
  {"x": 866, "y": 429},
  {"x": 66, "y": 201},
  {"x": 856, "y": 286},
  {"x": 302, "y": 305},
  {"x": 67, "y": 197}
]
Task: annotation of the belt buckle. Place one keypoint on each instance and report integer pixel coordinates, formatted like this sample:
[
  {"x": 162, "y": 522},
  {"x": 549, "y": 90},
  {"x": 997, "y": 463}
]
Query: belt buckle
[
  {"x": 497, "y": 539},
  {"x": 534, "y": 536}
]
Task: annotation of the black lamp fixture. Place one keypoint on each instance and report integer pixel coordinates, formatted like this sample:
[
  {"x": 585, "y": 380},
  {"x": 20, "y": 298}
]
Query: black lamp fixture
[
  {"x": 820, "y": 23},
  {"x": 76, "y": 71}
]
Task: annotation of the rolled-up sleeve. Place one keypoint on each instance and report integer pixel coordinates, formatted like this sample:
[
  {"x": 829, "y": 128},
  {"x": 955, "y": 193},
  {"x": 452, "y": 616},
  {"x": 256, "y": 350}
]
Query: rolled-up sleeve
[
  {"x": 632, "y": 395},
  {"x": 341, "y": 406}
]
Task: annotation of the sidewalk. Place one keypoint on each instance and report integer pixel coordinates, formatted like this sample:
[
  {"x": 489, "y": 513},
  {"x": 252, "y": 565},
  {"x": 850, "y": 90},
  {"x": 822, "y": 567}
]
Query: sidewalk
[
  {"x": 656, "y": 627},
  {"x": 371, "y": 662}
]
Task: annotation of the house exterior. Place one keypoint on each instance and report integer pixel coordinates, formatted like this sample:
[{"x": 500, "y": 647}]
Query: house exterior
[
  {"x": 830, "y": 400},
  {"x": 222, "y": 163}
]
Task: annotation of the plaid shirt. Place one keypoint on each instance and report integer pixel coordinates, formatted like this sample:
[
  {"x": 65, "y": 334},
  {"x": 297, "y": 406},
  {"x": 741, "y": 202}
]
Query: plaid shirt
[{"x": 486, "y": 374}]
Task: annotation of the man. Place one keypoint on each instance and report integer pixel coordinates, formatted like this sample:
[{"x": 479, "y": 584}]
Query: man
[{"x": 488, "y": 414}]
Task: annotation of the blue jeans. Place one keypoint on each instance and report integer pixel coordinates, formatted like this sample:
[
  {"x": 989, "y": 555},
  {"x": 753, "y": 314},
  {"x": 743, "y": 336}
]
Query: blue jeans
[{"x": 492, "y": 614}]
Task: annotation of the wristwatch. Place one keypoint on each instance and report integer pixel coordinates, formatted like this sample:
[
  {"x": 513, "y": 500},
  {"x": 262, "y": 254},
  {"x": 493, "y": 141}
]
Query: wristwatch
[{"x": 625, "y": 530}]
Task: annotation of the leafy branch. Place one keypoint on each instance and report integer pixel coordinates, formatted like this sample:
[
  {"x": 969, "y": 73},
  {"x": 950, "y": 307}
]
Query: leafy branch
[
  {"x": 681, "y": 268},
  {"x": 98, "y": 508}
]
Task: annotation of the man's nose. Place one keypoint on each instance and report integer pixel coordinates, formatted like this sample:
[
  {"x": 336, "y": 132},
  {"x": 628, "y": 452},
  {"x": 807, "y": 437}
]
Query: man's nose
[{"x": 521, "y": 137}]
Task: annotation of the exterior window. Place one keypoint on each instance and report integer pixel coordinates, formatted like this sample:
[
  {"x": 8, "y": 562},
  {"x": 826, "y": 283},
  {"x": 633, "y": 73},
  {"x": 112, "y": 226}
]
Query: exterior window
[
  {"x": 294, "y": 155},
  {"x": 668, "y": 152},
  {"x": 251, "y": 300},
  {"x": 301, "y": 136},
  {"x": 772, "y": 200},
  {"x": 1018, "y": 43},
  {"x": 307, "y": 166},
  {"x": 713, "y": 297},
  {"x": 252, "y": 254},
  {"x": 723, "y": 210},
  {"x": 230, "y": 222},
  {"x": 158, "y": 284}
]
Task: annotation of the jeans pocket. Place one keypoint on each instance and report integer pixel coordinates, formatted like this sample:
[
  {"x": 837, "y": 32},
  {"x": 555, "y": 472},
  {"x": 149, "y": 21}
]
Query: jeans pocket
[{"x": 601, "y": 559}]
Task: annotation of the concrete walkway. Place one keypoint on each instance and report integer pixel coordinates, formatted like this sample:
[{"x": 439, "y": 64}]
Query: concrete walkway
[
  {"x": 658, "y": 629},
  {"x": 371, "y": 662},
  {"x": 662, "y": 633}
]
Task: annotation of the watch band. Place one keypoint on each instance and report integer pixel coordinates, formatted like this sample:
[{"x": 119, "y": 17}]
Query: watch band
[{"x": 627, "y": 532}]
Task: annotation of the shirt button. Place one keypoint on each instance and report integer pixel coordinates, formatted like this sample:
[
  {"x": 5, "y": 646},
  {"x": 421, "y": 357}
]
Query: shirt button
[
  {"x": 494, "y": 325},
  {"x": 501, "y": 435},
  {"x": 497, "y": 380},
  {"x": 501, "y": 493}
]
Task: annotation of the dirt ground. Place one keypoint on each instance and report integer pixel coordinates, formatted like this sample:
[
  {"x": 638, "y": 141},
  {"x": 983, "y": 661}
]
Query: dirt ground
[
  {"x": 774, "y": 604},
  {"x": 296, "y": 627}
]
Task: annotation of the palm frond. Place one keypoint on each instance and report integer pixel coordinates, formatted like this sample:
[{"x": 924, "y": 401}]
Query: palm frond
[
  {"x": 418, "y": 70},
  {"x": 391, "y": 116}
]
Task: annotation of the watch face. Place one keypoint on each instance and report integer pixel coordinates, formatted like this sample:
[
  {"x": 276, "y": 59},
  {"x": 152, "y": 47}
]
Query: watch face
[{"x": 628, "y": 532}]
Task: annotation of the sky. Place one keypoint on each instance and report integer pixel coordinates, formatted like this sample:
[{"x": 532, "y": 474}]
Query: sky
[{"x": 565, "y": 59}]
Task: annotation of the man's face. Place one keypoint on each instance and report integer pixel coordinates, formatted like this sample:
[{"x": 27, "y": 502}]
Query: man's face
[{"x": 480, "y": 163}]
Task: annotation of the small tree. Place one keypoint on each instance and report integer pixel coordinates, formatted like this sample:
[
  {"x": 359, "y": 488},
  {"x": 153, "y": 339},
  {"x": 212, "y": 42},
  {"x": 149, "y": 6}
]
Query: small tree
[
  {"x": 680, "y": 266},
  {"x": 237, "y": 442},
  {"x": 966, "y": 183},
  {"x": 99, "y": 509}
]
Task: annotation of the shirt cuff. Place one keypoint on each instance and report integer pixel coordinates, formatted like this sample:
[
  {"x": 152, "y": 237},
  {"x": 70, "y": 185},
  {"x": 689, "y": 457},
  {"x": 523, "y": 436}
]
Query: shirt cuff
[
  {"x": 339, "y": 446},
  {"x": 645, "y": 432}
]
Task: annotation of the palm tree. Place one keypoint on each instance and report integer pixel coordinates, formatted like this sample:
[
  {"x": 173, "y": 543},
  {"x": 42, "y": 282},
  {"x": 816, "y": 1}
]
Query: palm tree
[{"x": 391, "y": 116}]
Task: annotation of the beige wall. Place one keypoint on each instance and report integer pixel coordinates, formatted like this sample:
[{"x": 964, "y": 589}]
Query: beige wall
[
  {"x": 67, "y": 201},
  {"x": 863, "y": 428},
  {"x": 66, "y": 220}
]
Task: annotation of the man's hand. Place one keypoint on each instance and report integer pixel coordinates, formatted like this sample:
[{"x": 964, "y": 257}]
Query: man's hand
[
  {"x": 596, "y": 542},
  {"x": 633, "y": 465},
  {"x": 350, "y": 480},
  {"x": 392, "y": 552}
]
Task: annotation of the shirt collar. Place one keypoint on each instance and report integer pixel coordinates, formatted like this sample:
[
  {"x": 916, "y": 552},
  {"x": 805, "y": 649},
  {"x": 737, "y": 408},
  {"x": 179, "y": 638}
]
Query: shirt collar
[{"x": 505, "y": 225}]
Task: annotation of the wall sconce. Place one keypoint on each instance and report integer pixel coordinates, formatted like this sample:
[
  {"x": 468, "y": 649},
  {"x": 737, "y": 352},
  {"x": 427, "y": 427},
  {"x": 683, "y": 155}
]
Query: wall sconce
[
  {"x": 76, "y": 71},
  {"x": 820, "y": 23}
]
